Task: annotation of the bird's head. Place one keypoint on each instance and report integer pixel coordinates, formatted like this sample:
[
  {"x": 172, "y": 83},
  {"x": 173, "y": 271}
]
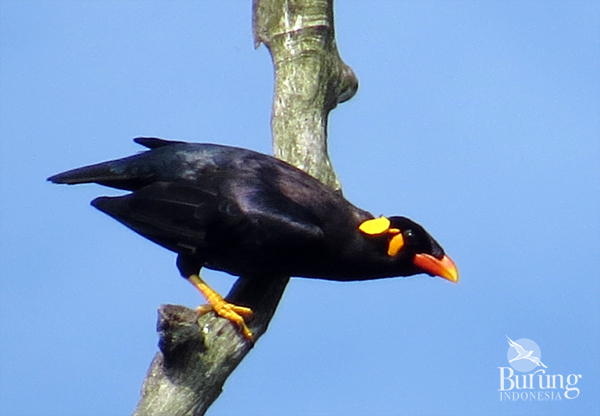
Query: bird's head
[{"x": 408, "y": 241}]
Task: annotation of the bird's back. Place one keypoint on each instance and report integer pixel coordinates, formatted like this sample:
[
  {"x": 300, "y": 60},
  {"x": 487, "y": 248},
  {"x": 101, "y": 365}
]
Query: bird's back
[{"x": 223, "y": 203}]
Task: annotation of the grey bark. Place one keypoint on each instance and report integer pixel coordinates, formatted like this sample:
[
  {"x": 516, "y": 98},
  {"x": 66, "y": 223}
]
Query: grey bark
[
  {"x": 197, "y": 354},
  {"x": 310, "y": 80}
]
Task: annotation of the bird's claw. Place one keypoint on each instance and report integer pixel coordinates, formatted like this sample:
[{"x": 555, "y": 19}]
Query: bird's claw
[
  {"x": 231, "y": 312},
  {"x": 221, "y": 307}
]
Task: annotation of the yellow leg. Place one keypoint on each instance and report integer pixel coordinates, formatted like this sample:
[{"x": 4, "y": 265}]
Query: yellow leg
[{"x": 233, "y": 313}]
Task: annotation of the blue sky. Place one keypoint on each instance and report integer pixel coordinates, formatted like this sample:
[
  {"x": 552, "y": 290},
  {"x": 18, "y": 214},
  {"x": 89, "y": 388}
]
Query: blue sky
[{"x": 479, "y": 120}]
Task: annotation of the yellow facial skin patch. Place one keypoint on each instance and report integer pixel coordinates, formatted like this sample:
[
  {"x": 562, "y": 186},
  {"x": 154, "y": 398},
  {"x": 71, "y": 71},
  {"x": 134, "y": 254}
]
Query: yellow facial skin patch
[
  {"x": 395, "y": 245},
  {"x": 380, "y": 226},
  {"x": 375, "y": 226}
]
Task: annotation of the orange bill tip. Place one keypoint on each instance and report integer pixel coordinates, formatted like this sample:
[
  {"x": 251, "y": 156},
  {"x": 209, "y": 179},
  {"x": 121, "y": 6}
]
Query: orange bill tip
[
  {"x": 375, "y": 226},
  {"x": 443, "y": 268}
]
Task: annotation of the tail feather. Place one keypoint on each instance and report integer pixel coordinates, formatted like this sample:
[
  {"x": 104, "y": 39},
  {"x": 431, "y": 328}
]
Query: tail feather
[
  {"x": 120, "y": 174},
  {"x": 155, "y": 142},
  {"x": 129, "y": 173},
  {"x": 86, "y": 174}
]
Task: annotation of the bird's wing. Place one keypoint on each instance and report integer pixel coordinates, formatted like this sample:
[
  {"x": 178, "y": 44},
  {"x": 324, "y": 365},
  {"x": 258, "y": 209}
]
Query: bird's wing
[
  {"x": 521, "y": 350},
  {"x": 177, "y": 176},
  {"x": 277, "y": 194},
  {"x": 517, "y": 347},
  {"x": 185, "y": 216},
  {"x": 174, "y": 215},
  {"x": 536, "y": 360},
  {"x": 270, "y": 209}
]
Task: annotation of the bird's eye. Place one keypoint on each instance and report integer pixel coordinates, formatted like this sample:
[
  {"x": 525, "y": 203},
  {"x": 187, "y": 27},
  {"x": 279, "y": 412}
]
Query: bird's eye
[{"x": 409, "y": 236}]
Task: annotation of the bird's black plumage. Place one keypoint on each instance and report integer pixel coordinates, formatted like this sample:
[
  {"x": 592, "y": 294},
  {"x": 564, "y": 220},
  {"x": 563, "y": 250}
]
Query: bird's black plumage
[{"x": 251, "y": 215}]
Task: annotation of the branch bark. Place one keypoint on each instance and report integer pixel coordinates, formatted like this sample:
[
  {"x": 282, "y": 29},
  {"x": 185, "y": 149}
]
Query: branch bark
[
  {"x": 310, "y": 79},
  {"x": 197, "y": 354}
]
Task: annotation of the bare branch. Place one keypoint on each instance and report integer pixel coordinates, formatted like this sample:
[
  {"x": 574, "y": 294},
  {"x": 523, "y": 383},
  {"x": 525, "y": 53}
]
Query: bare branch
[
  {"x": 310, "y": 79},
  {"x": 198, "y": 354}
]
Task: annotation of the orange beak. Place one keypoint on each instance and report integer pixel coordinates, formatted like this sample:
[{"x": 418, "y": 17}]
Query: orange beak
[{"x": 443, "y": 268}]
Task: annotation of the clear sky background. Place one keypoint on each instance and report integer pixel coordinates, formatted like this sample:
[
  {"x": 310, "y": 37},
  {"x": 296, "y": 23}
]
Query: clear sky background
[{"x": 479, "y": 120}]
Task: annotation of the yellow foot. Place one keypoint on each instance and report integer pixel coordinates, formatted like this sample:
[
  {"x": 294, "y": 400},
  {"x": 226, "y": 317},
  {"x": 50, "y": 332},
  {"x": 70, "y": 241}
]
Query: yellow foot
[{"x": 233, "y": 313}]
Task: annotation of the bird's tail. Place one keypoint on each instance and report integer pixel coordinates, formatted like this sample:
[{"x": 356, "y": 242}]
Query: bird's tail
[
  {"x": 121, "y": 174},
  {"x": 94, "y": 173},
  {"x": 129, "y": 173}
]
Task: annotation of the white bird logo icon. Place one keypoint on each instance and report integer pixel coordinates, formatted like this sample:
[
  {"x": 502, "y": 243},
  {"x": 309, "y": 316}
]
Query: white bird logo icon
[{"x": 524, "y": 354}]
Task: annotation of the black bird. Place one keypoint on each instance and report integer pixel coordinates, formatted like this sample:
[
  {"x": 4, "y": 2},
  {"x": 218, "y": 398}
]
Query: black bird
[{"x": 252, "y": 215}]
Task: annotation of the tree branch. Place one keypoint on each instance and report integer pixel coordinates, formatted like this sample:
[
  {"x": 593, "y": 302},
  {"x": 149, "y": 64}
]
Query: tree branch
[
  {"x": 197, "y": 354},
  {"x": 310, "y": 79}
]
